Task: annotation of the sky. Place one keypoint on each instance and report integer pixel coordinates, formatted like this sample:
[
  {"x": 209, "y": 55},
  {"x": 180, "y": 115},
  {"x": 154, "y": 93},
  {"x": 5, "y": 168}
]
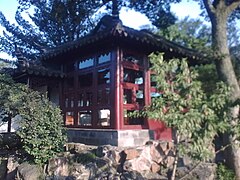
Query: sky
[
  {"x": 185, "y": 8},
  {"x": 129, "y": 17}
]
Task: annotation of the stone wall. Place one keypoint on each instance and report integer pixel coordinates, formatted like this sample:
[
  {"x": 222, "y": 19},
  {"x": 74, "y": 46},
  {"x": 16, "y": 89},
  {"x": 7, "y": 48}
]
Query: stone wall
[{"x": 122, "y": 138}]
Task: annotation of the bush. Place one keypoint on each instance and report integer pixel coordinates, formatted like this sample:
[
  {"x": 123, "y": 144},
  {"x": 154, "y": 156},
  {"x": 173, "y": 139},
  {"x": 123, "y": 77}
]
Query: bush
[
  {"x": 85, "y": 158},
  {"x": 224, "y": 173},
  {"x": 41, "y": 129}
]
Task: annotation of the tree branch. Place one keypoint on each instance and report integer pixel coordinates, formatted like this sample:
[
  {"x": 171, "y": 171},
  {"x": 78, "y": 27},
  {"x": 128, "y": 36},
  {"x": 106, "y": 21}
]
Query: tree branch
[
  {"x": 209, "y": 7},
  {"x": 222, "y": 148},
  {"x": 234, "y": 5}
]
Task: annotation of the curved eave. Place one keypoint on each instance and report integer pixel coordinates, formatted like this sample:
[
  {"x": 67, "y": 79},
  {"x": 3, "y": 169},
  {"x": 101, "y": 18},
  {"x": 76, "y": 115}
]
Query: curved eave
[
  {"x": 74, "y": 45},
  {"x": 35, "y": 72},
  {"x": 157, "y": 43}
]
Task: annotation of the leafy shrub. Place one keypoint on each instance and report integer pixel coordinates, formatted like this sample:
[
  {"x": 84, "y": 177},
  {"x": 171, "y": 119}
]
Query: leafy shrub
[
  {"x": 41, "y": 129},
  {"x": 84, "y": 158},
  {"x": 195, "y": 116},
  {"x": 224, "y": 173}
]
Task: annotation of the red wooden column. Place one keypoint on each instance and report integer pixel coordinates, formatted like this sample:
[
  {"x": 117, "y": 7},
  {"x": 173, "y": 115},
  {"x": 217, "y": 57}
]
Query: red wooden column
[
  {"x": 75, "y": 87},
  {"x": 147, "y": 86},
  {"x": 61, "y": 99},
  {"x": 147, "y": 82},
  {"x": 117, "y": 88}
]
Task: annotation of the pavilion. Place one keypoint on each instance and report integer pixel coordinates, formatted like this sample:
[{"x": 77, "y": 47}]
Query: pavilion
[{"x": 98, "y": 79}]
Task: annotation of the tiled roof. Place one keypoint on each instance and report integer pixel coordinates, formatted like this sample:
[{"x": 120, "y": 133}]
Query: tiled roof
[
  {"x": 113, "y": 28},
  {"x": 32, "y": 69}
]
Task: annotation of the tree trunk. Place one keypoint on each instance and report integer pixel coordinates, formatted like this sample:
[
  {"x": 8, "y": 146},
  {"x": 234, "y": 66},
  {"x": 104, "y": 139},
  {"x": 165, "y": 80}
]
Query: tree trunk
[{"x": 227, "y": 74}]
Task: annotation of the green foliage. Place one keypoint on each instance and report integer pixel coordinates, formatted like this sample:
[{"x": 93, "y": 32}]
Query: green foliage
[
  {"x": 158, "y": 12},
  {"x": 41, "y": 129},
  {"x": 5, "y": 63},
  {"x": 208, "y": 77},
  {"x": 224, "y": 173},
  {"x": 52, "y": 23},
  {"x": 191, "y": 33},
  {"x": 84, "y": 158},
  {"x": 184, "y": 106}
]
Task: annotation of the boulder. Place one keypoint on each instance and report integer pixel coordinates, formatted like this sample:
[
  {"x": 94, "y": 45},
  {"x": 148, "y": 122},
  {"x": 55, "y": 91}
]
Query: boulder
[
  {"x": 151, "y": 161},
  {"x": 3, "y": 168},
  {"x": 153, "y": 176},
  {"x": 58, "y": 166},
  {"x": 155, "y": 168},
  {"x": 27, "y": 171},
  {"x": 78, "y": 147},
  {"x": 168, "y": 161},
  {"x": 138, "y": 164},
  {"x": 79, "y": 171},
  {"x": 12, "y": 165},
  {"x": 157, "y": 154},
  {"x": 130, "y": 175},
  {"x": 204, "y": 171},
  {"x": 131, "y": 153}
]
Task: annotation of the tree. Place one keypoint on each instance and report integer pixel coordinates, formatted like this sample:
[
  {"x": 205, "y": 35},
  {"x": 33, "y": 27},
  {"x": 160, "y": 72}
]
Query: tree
[
  {"x": 5, "y": 63},
  {"x": 158, "y": 11},
  {"x": 53, "y": 22},
  {"x": 220, "y": 12},
  {"x": 191, "y": 33},
  {"x": 41, "y": 125},
  {"x": 196, "y": 116},
  {"x": 57, "y": 21}
]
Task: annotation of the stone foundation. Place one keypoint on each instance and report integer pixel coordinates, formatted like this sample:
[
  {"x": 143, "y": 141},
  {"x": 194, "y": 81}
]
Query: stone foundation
[{"x": 123, "y": 138}]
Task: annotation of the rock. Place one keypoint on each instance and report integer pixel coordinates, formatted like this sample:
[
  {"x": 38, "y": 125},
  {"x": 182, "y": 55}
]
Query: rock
[
  {"x": 146, "y": 152},
  {"x": 205, "y": 171},
  {"x": 102, "y": 150},
  {"x": 70, "y": 147},
  {"x": 58, "y": 166},
  {"x": 78, "y": 147},
  {"x": 12, "y": 165},
  {"x": 153, "y": 176},
  {"x": 3, "y": 168},
  {"x": 149, "y": 158},
  {"x": 157, "y": 154},
  {"x": 29, "y": 172},
  {"x": 168, "y": 161},
  {"x": 138, "y": 164},
  {"x": 79, "y": 171},
  {"x": 114, "y": 156},
  {"x": 155, "y": 168},
  {"x": 130, "y": 175},
  {"x": 60, "y": 178},
  {"x": 164, "y": 146},
  {"x": 170, "y": 145},
  {"x": 131, "y": 153},
  {"x": 186, "y": 161},
  {"x": 181, "y": 171},
  {"x": 113, "y": 163}
]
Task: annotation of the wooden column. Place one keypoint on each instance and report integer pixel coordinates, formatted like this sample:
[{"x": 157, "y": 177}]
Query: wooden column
[
  {"x": 147, "y": 86},
  {"x": 75, "y": 95},
  {"x": 117, "y": 89},
  {"x": 9, "y": 123},
  {"x": 147, "y": 82},
  {"x": 61, "y": 98},
  {"x": 95, "y": 117}
]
